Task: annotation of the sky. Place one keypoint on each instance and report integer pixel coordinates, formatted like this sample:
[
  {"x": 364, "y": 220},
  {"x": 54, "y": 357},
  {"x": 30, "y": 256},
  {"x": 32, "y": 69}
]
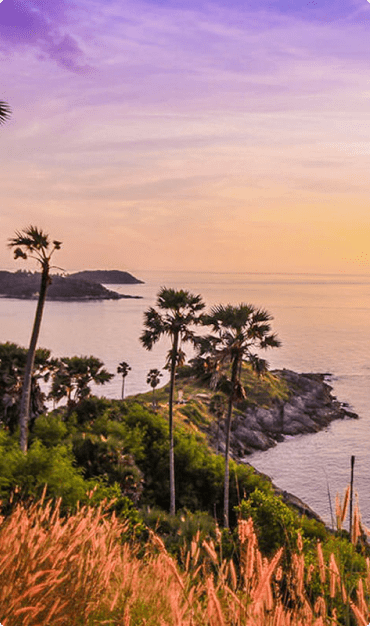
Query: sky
[{"x": 188, "y": 134}]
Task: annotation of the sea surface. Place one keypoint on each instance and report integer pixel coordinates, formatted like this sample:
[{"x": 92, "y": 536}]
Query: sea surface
[{"x": 322, "y": 320}]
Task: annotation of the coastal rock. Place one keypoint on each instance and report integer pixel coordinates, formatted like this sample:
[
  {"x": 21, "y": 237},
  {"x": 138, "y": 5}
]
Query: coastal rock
[{"x": 309, "y": 408}]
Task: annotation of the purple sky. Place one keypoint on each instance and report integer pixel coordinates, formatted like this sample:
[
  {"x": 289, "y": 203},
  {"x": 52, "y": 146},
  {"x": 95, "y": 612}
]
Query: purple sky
[{"x": 189, "y": 134}]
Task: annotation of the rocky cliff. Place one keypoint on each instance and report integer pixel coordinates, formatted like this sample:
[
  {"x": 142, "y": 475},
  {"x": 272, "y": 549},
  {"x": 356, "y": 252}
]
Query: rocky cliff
[{"x": 309, "y": 408}]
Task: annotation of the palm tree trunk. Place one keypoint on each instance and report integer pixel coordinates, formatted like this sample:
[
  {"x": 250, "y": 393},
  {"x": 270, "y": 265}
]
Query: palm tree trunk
[
  {"x": 123, "y": 389},
  {"x": 24, "y": 413},
  {"x": 170, "y": 411},
  {"x": 234, "y": 377}
]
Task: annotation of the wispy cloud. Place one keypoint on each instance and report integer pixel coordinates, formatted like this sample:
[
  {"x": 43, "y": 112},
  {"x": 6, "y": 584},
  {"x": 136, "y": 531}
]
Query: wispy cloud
[
  {"x": 40, "y": 25},
  {"x": 189, "y": 117}
]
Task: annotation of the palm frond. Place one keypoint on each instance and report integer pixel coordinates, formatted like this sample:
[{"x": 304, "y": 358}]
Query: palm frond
[
  {"x": 32, "y": 238},
  {"x": 5, "y": 112}
]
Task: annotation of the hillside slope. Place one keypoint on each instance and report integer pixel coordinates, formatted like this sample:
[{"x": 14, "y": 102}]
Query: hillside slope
[{"x": 107, "y": 277}]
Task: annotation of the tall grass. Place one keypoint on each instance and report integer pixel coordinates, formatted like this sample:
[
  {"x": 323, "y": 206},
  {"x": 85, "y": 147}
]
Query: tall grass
[{"x": 78, "y": 570}]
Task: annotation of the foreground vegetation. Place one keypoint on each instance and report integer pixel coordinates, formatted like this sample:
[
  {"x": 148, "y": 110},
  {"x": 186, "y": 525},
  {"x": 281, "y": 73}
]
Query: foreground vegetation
[
  {"x": 83, "y": 569},
  {"x": 143, "y": 564}
]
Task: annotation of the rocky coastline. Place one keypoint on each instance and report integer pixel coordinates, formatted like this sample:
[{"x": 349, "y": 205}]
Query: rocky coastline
[{"x": 309, "y": 408}]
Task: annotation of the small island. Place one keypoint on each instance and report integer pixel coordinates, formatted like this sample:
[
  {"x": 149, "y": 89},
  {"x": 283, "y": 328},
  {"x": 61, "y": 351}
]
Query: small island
[
  {"x": 107, "y": 277},
  {"x": 25, "y": 285}
]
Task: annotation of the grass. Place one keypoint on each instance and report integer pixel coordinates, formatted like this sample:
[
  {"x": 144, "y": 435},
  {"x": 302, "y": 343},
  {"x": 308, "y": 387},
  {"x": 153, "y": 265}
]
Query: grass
[
  {"x": 195, "y": 414},
  {"x": 77, "y": 570}
]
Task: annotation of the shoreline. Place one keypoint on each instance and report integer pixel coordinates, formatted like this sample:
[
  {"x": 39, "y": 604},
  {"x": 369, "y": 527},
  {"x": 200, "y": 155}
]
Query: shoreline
[{"x": 311, "y": 407}]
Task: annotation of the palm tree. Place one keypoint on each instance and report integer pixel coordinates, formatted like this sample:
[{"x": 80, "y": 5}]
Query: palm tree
[
  {"x": 176, "y": 312},
  {"x": 5, "y": 111},
  {"x": 32, "y": 242},
  {"x": 238, "y": 330},
  {"x": 153, "y": 379},
  {"x": 72, "y": 376},
  {"x": 123, "y": 369}
]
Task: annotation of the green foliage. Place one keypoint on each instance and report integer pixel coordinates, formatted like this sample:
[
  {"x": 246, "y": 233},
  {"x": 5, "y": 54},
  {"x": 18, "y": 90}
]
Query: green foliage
[
  {"x": 128, "y": 445},
  {"x": 179, "y": 530},
  {"x": 91, "y": 408},
  {"x": 73, "y": 376},
  {"x": 28, "y": 474},
  {"x": 12, "y": 365},
  {"x": 120, "y": 504},
  {"x": 50, "y": 430},
  {"x": 104, "y": 458},
  {"x": 312, "y": 529},
  {"x": 275, "y": 523}
]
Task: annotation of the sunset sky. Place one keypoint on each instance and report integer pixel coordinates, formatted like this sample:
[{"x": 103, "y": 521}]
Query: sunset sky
[{"x": 189, "y": 134}]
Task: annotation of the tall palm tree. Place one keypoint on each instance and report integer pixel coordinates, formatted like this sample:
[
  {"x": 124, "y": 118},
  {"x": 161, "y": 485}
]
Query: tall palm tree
[
  {"x": 176, "y": 313},
  {"x": 5, "y": 111},
  {"x": 237, "y": 331},
  {"x": 32, "y": 242},
  {"x": 153, "y": 379},
  {"x": 123, "y": 369}
]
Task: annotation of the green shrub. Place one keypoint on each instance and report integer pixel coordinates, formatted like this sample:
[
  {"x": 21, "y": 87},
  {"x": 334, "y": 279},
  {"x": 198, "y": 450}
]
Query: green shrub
[
  {"x": 178, "y": 531},
  {"x": 276, "y": 525},
  {"x": 49, "y": 429},
  {"x": 42, "y": 465}
]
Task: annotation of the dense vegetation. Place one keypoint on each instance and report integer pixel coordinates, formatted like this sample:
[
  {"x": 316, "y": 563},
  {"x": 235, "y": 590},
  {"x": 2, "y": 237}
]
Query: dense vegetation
[
  {"x": 85, "y": 537},
  {"x": 97, "y": 449},
  {"x": 118, "y": 451},
  {"x": 84, "y": 570}
]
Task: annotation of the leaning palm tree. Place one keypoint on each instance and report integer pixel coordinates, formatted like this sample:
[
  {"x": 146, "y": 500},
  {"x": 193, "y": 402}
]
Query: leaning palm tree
[
  {"x": 123, "y": 369},
  {"x": 153, "y": 379},
  {"x": 32, "y": 242},
  {"x": 176, "y": 313},
  {"x": 5, "y": 111},
  {"x": 237, "y": 331}
]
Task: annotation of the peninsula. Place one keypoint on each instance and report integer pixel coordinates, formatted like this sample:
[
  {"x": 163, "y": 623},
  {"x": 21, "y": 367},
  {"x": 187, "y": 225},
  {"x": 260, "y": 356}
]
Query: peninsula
[
  {"x": 25, "y": 285},
  {"x": 280, "y": 404},
  {"x": 107, "y": 277}
]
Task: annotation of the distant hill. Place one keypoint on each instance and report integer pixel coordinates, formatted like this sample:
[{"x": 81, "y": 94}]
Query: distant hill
[
  {"x": 108, "y": 277},
  {"x": 26, "y": 285}
]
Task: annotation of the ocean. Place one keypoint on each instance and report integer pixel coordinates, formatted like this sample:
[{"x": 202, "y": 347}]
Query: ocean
[{"x": 322, "y": 320}]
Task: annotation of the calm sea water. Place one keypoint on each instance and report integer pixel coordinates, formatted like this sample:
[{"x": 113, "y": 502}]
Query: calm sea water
[{"x": 322, "y": 320}]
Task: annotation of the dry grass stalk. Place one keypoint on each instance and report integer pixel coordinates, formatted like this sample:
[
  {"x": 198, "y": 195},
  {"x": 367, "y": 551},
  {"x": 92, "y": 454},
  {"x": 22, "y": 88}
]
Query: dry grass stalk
[
  {"x": 322, "y": 568},
  {"x": 76, "y": 570},
  {"x": 334, "y": 576},
  {"x": 341, "y": 508},
  {"x": 360, "y": 618},
  {"x": 356, "y": 526}
]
